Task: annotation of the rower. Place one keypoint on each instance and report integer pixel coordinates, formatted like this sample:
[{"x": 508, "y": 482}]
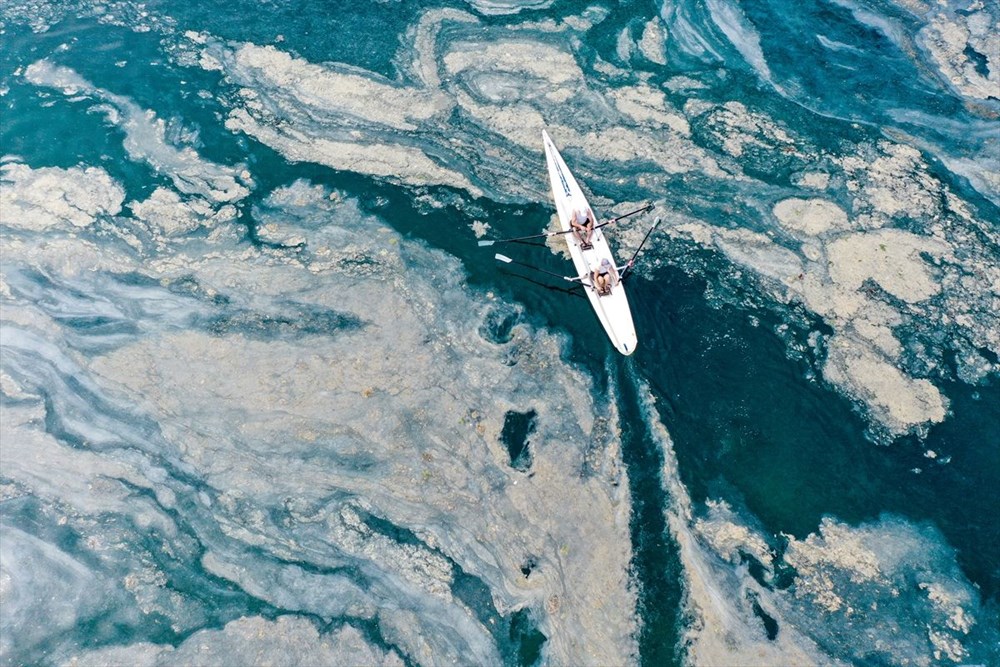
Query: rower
[
  {"x": 583, "y": 227},
  {"x": 605, "y": 277}
]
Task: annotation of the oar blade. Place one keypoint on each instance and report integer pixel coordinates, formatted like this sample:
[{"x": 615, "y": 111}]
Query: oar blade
[
  {"x": 503, "y": 258},
  {"x": 486, "y": 243}
]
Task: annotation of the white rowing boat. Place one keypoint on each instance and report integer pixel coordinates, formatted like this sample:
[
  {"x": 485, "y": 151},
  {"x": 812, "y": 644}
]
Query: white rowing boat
[{"x": 612, "y": 308}]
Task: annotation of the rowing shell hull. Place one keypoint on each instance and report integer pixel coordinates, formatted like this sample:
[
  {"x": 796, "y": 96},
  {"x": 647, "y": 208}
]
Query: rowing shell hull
[{"x": 612, "y": 310}]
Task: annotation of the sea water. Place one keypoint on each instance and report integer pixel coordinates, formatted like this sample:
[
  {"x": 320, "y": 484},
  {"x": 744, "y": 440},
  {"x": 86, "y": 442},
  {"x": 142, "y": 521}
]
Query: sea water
[{"x": 265, "y": 399}]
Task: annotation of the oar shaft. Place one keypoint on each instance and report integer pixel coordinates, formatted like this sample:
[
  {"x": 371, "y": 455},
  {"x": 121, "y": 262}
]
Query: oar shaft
[
  {"x": 647, "y": 207},
  {"x": 508, "y": 260},
  {"x": 636, "y": 253},
  {"x": 523, "y": 238}
]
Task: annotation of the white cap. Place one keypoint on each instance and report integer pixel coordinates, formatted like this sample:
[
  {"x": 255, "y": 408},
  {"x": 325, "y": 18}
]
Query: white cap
[{"x": 605, "y": 262}]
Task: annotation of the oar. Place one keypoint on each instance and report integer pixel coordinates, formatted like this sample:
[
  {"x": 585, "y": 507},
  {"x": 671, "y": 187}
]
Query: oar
[
  {"x": 647, "y": 207},
  {"x": 523, "y": 238},
  {"x": 507, "y": 260},
  {"x": 631, "y": 262}
]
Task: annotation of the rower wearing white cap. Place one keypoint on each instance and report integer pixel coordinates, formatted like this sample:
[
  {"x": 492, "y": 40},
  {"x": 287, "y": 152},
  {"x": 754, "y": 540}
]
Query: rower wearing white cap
[
  {"x": 605, "y": 277},
  {"x": 582, "y": 223}
]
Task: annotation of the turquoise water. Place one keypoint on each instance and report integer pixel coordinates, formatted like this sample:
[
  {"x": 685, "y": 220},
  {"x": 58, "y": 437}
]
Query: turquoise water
[{"x": 265, "y": 399}]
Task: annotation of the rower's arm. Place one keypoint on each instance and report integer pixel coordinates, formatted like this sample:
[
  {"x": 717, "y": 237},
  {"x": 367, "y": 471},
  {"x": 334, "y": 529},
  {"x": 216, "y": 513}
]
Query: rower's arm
[{"x": 623, "y": 269}]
